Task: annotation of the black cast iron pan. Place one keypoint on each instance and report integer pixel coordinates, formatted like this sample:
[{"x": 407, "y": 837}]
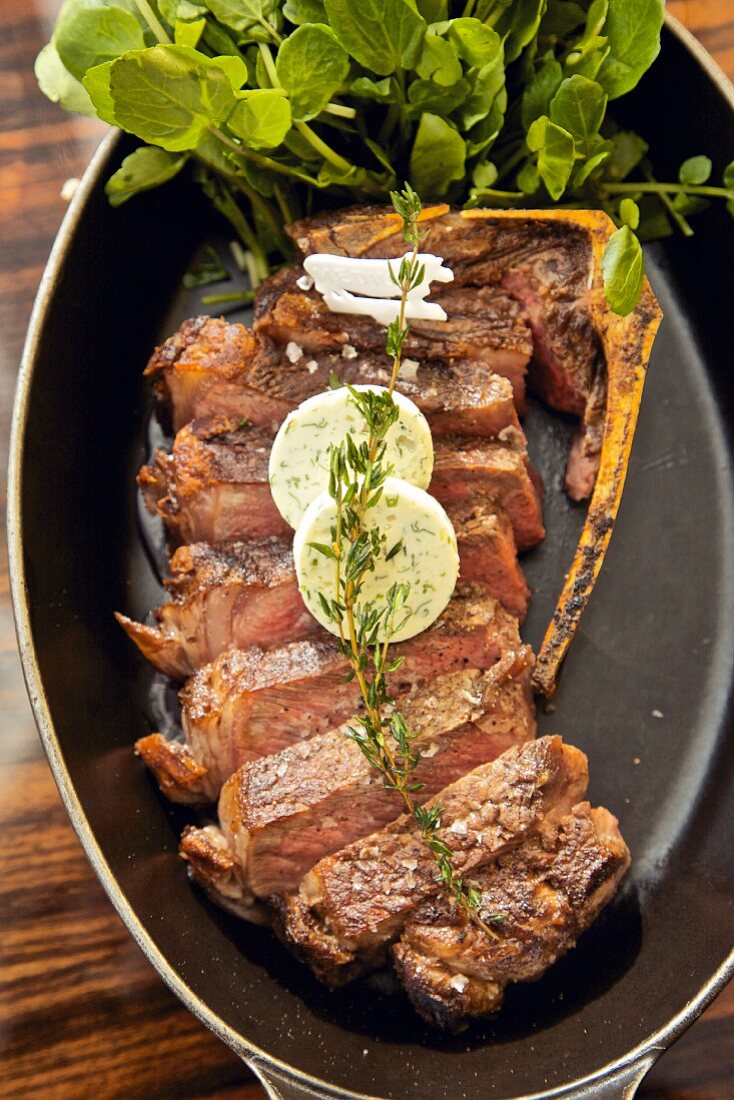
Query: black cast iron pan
[{"x": 646, "y": 690}]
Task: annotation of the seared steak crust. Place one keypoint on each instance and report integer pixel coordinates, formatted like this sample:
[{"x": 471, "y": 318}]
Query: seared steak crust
[
  {"x": 284, "y": 812},
  {"x": 351, "y": 905},
  {"x": 201, "y": 371},
  {"x": 547, "y": 892},
  {"x": 213, "y": 487},
  {"x": 240, "y": 594}
]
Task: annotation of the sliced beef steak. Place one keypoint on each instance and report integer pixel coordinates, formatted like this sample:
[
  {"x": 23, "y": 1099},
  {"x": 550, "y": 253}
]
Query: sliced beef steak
[
  {"x": 351, "y": 905},
  {"x": 283, "y": 813},
  {"x": 237, "y": 595},
  {"x": 488, "y": 554},
  {"x": 546, "y": 893},
  {"x": 454, "y": 397},
  {"x": 201, "y": 371},
  {"x": 485, "y": 325},
  {"x": 545, "y": 265},
  {"x": 252, "y": 703},
  {"x": 468, "y": 471},
  {"x": 213, "y": 487},
  {"x": 244, "y": 594}
]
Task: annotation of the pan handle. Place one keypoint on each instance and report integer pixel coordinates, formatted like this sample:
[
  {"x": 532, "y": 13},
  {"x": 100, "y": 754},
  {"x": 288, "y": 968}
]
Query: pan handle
[{"x": 622, "y": 1084}]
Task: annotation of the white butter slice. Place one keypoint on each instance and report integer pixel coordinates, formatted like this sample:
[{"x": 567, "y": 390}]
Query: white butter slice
[
  {"x": 299, "y": 461},
  {"x": 428, "y": 560}
]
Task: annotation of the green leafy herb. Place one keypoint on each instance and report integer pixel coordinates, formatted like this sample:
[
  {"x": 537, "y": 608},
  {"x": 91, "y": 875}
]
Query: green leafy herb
[
  {"x": 478, "y": 102},
  {"x": 206, "y": 271},
  {"x": 623, "y": 269},
  {"x": 144, "y": 168}
]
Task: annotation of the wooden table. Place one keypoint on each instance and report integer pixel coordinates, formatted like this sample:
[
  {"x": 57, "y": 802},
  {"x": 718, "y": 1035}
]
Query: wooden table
[{"x": 82, "y": 1014}]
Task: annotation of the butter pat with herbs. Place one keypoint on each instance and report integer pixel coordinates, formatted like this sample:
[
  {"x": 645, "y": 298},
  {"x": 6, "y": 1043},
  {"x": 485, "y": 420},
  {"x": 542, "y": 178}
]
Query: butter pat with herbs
[
  {"x": 428, "y": 559},
  {"x": 299, "y": 461}
]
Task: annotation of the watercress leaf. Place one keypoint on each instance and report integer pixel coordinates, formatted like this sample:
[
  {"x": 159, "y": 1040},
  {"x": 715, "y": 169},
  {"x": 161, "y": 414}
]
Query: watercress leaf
[
  {"x": 477, "y": 44},
  {"x": 304, "y": 11},
  {"x": 578, "y": 106},
  {"x": 623, "y": 268},
  {"x": 555, "y": 148},
  {"x": 628, "y": 149},
  {"x": 144, "y": 168},
  {"x": 206, "y": 271},
  {"x": 560, "y": 19},
  {"x": 383, "y": 91},
  {"x": 539, "y": 91},
  {"x": 185, "y": 11},
  {"x": 588, "y": 62},
  {"x": 382, "y": 35},
  {"x": 485, "y": 132},
  {"x": 485, "y": 85},
  {"x": 728, "y": 179},
  {"x": 632, "y": 28},
  {"x": 253, "y": 19},
  {"x": 518, "y": 24},
  {"x": 234, "y": 67},
  {"x": 424, "y": 95},
  {"x": 438, "y": 61},
  {"x": 629, "y": 213},
  {"x": 311, "y": 66},
  {"x": 89, "y": 36},
  {"x": 57, "y": 83},
  {"x": 262, "y": 120},
  {"x": 188, "y": 34},
  {"x": 582, "y": 171},
  {"x": 433, "y": 11},
  {"x": 484, "y": 174},
  {"x": 437, "y": 157},
  {"x": 169, "y": 95},
  {"x": 97, "y": 86},
  {"x": 528, "y": 178},
  {"x": 695, "y": 170}
]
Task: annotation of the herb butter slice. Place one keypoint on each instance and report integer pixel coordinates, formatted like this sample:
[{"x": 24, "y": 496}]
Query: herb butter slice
[
  {"x": 428, "y": 559},
  {"x": 299, "y": 460}
]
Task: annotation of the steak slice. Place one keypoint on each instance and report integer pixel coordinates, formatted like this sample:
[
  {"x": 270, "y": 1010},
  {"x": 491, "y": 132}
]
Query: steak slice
[
  {"x": 454, "y": 397},
  {"x": 351, "y": 905},
  {"x": 213, "y": 487},
  {"x": 545, "y": 265},
  {"x": 467, "y": 471},
  {"x": 485, "y": 325},
  {"x": 237, "y": 595},
  {"x": 201, "y": 371},
  {"x": 282, "y": 813},
  {"x": 487, "y": 552},
  {"x": 547, "y": 892},
  {"x": 252, "y": 703},
  {"x": 244, "y": 594}
]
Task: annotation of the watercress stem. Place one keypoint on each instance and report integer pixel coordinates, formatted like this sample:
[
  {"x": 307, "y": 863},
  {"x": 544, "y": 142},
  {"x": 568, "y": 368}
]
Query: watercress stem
[{"x": 153, "y": 22}]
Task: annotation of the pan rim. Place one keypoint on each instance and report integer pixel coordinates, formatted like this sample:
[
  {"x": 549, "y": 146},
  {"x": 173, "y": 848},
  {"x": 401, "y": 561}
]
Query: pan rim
[{"x": 648, "y": 1050}]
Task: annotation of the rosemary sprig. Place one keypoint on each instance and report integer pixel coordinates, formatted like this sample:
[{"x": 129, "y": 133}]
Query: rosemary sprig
[{"x": 357, "y": 478}]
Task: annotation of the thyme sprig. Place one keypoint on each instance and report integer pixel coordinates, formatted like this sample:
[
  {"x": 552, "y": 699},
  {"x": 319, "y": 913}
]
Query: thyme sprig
[{"x": 365, "y": 627}]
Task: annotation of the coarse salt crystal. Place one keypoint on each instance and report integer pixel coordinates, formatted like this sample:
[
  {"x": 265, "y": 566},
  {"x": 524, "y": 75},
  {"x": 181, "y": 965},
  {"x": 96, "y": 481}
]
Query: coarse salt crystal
[
  {"x": 459, "y": 827},
  {"x": 281, "y": 769},
  {"x": 475, "y": 700},
  {"x": 304, "y": 282},
  {"x": 312, "y": 366},
  {"x": 409, "y": 369},
  {"x": 68, "y": 189},
  {"x": 349, "y": 352},
  {"x": 369, "y": 852},
  {"x": 293, "y": 352},
  {"x": 409, "y": 864},
  {"x": 459, "y": 982},
  {"x": 431, "y": 750}
]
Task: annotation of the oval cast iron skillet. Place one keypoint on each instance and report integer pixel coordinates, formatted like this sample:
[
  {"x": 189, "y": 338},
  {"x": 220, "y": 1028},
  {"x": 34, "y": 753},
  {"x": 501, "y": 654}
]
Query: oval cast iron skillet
[{"x": 646, "y": 690}]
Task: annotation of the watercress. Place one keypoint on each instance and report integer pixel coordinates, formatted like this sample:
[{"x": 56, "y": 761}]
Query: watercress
[{"x": 281, "y": 107}]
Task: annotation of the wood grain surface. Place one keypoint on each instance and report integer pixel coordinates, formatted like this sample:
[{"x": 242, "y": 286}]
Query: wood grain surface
[{"x": 82, "y": 1014}]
